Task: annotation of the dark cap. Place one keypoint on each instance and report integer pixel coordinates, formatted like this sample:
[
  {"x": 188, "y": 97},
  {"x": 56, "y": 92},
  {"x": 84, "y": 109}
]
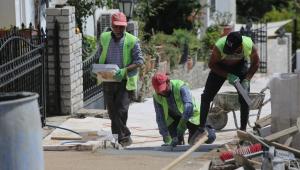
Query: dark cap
[{"x": 233, "y": 41}]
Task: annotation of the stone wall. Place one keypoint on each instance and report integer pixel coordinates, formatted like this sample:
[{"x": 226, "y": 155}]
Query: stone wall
[
  {"x": 196, "y": 77},
  {"x": 69, "y": 58}
]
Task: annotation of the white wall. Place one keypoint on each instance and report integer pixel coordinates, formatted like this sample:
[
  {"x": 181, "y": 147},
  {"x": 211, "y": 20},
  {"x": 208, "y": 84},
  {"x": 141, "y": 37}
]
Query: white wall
[
  {"x": 27, "y": 8},
  {"x": 279, "y": 54},
  {"x": 91, "y": 24},
  {"x": 89, "y": 27},
  {"x": 221, "y": 6},
  {"x": 16, "y": 12},
  {"x": 7, "y": 13}
]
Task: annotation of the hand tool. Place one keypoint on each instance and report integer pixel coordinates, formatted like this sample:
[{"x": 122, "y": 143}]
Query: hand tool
[{"x": 243, "y": 92}]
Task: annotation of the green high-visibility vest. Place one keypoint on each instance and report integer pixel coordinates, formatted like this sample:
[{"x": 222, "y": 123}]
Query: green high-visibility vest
[
  {"x": 129, "y": 42},
  {"x": 247, "y": 47},
  {"x": 176, "y": 85}
]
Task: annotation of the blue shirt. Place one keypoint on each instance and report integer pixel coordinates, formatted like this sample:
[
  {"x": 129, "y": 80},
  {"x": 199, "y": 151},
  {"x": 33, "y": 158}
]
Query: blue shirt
[{"x": 173, "y": 110}]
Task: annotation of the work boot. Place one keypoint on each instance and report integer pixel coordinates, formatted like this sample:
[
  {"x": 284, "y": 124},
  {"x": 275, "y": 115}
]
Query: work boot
[{"x": 126, "y": 141}]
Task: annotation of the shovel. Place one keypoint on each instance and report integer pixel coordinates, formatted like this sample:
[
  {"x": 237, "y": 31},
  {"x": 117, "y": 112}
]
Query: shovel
[{"x": 243, "y": 92}]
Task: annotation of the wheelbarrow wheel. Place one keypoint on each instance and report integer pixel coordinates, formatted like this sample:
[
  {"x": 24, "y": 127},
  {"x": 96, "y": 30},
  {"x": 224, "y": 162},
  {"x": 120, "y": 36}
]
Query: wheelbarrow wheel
[{"x": 217, "y": 118}]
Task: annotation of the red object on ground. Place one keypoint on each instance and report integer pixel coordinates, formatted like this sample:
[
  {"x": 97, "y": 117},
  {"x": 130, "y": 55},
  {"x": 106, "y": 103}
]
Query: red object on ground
[{"x": 241, "y": 151}]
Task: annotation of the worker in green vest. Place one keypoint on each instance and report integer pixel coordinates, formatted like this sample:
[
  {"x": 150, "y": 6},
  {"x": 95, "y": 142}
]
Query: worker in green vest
[
  {"x": 229, "y": 60},
  {"x": 176, "y": 110},
  {"x": 123, "y": 49}
]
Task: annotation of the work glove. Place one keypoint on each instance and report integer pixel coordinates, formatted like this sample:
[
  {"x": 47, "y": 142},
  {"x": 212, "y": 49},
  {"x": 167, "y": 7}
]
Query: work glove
[
  {"x": 246, "y": 84},
  {"x": 167, "y": 140},
  {"x": 181, "y": 127},
  {"x": 120, "y": 74},
  {"x": 232, "y": 78}
]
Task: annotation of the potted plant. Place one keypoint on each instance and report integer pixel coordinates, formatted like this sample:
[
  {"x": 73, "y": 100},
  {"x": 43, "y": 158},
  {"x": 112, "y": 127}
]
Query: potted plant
[{"x": 224, "y": 20}]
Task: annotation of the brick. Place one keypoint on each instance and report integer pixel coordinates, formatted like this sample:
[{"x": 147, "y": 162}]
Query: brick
[
  {"x": 53, "y": 11},
  {"x": 49, "y": 20},
  {"x": 63, "y": 19},
  {"x": 66, "y": 34},
  {"x": 66, "y": 11},
  {"x": 70, "y": 8}
]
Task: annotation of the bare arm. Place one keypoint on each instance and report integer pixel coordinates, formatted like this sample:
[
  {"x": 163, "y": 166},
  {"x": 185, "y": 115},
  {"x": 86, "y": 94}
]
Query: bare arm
[
  {"x": 213, "y": 63},
  {"x": 254, "y": 63}
]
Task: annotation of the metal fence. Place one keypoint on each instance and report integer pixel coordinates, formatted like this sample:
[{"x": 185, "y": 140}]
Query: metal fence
[
  {"x": 23, "y": 63},
  {"x": 91, "y": 89},
  {"x": 258, "y": 33}
]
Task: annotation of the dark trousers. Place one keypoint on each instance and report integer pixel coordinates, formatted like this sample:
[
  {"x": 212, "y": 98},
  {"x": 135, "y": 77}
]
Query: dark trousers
[
  {"x": 213, "y": 84},
  {"x": 117, "y": 101},
  {"x": 173, "y": 129}
]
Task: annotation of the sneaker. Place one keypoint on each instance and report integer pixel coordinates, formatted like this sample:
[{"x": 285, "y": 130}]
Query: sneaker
[
  {"x": 211, "y": 134},
  {"x": 126, "y": 142}
]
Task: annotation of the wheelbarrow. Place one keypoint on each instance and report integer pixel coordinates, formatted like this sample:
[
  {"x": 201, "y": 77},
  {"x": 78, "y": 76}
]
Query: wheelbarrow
[{"x": 226, "y": 102}]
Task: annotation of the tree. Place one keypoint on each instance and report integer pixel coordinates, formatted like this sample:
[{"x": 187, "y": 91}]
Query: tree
[
  {"x": 85, "y": 8},
  {"x": 167, "y": 15},
  {"x": 284, "y": 14},
  {"x": 249, "y": 9}
]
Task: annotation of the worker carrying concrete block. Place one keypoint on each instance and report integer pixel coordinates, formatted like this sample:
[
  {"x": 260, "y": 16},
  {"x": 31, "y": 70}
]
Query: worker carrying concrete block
[{"x": 176, "y": 110}]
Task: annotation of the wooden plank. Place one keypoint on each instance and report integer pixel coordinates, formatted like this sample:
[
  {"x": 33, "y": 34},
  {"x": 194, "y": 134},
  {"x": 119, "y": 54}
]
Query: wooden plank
[
  {"x": 281, "y": 133},
  {"x": 296, "y": 152},
  {"x": 242, "y": 135},
  {"x": 78, "y": 147},
  {"x": 265, "y": 121},
  {"x": 288, "y": 141},
  {"x": 187, "y": 153}
]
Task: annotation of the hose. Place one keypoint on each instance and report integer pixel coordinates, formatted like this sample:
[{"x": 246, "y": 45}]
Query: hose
[{"x": 57, "y": 127}]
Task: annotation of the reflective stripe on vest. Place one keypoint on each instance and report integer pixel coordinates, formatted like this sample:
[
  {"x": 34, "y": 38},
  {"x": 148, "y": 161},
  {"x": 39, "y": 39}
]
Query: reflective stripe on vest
[
  {"x": 247, "y": 47},
  {"x": 129, "y": 42},
  {"x": 176, "y": 85}
]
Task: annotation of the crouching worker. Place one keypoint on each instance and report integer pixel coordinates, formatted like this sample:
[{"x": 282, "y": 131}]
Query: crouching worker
[{"x": 176, "y": 110}]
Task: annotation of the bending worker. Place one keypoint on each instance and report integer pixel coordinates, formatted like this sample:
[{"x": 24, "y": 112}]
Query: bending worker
[
  {"x": 175, "y": 109},
  {"x": 121, "y": 48},
  {"x": 229, "y": 61}
]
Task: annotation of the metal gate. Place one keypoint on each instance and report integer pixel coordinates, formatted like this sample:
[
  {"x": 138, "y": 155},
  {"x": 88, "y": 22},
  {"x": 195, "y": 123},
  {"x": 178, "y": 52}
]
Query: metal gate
[
  {"x": 92, "y": 91},
  {"x": 258, "y": 33},
  {"x": 22, "y": 63}
]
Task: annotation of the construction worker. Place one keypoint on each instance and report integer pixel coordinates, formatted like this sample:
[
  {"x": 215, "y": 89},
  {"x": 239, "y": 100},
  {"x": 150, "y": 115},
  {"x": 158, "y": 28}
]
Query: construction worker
[
  {"x": 121, "y": 48},
  {"x": 229, "y": 61},
  {"x": 175, "y": 109}
]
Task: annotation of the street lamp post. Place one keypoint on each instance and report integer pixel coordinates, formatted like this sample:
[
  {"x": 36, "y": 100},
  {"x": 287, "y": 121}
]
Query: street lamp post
[{"x": 126, "y": 6}]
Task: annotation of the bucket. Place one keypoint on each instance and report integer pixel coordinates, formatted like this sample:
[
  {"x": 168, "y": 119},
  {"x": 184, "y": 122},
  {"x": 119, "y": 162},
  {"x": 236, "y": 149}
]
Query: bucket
[{"x": 21, "y": 132}]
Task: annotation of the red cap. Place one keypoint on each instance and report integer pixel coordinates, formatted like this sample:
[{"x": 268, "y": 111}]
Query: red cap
[
  {"x": 119, "y": 19},
  {"x": 159, "y": 82}
]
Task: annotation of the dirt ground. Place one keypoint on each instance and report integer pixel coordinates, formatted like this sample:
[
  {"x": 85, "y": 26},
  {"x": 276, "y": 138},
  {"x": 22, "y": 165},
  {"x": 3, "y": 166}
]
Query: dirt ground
[{"x": 117, "y": 160}]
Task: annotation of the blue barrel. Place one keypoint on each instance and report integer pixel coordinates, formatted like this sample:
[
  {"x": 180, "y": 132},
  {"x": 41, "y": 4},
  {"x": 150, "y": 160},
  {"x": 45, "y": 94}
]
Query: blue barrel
[{"x": 20, "y": 132}]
